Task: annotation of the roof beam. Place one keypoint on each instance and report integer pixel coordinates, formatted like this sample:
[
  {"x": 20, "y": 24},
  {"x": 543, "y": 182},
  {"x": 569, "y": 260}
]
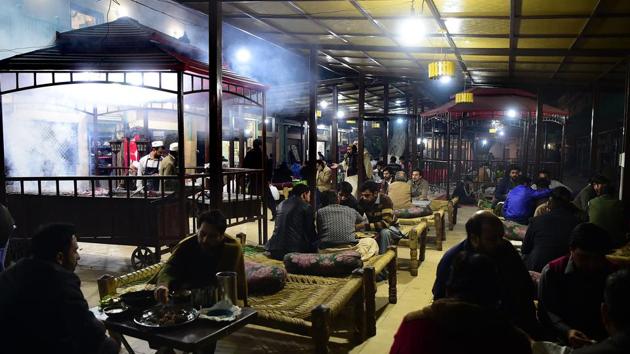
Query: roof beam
[
  {"x": 579, "y": 36},
  {"x": 343, "y": 36},
  {"x": 515, "y": 23},
  {"x": 610, "y": 52},
  {"x": 451, "y": 43}
]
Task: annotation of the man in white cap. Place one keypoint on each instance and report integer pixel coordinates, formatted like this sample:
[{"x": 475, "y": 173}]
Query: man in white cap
[
  {"x": 168, "y": 167},
  {"x": 150, "y": 166}
]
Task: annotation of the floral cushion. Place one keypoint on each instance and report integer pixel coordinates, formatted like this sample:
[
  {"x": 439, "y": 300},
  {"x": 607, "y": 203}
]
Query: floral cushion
[
  {"x": 325, "y": 264},
  {"x": 264, "y": 279},
  {"x": 514, "y": 230},
  {"x": 413, "y": 212}
]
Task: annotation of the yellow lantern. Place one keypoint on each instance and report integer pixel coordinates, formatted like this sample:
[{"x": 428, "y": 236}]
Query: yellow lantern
[
  {"x": 464, "y": 97},
  {"x": 438, "y": 69}
]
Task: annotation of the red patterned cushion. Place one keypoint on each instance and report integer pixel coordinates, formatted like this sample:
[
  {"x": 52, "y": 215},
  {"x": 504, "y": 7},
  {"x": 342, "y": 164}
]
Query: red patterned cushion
[
  {"x": 324, "y": 264},
  {"x": 264, "y": 279}
]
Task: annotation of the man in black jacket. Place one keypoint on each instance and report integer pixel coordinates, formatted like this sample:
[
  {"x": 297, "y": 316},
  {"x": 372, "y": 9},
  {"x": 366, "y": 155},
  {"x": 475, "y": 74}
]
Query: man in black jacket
[
  {"x": 295, "y": 225},
  {"x": 42, "y": 308},
  {"x": 548, "y": 235}
]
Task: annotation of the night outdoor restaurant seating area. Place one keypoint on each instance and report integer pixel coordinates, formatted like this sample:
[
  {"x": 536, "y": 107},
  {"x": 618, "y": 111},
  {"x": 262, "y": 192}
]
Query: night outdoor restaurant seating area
[{"x": 319, "y": 176}]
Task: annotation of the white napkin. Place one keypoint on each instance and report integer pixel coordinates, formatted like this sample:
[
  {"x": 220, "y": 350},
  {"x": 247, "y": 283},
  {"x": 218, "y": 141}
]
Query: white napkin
[{"x": 221, "y": 305}]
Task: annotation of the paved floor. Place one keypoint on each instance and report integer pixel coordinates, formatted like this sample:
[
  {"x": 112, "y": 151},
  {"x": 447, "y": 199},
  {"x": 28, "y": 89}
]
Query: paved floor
[{"x": 413, "y": 293}]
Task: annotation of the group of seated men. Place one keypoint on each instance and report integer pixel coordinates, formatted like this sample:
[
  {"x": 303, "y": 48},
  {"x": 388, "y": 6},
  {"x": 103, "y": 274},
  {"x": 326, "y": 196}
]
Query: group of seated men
[
  {"x": 484, "y": 298},
  {"x": 299, "y": 228}
]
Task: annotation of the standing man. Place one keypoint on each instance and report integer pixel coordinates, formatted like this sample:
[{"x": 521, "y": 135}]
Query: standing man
[
  {"x": 379, "y": 210},
  {"x": 168, "y": 167},
  {"x": 295, "y": 225},
  {"x": 419, "y": 185},
  {"x": 150, "y": 166}
]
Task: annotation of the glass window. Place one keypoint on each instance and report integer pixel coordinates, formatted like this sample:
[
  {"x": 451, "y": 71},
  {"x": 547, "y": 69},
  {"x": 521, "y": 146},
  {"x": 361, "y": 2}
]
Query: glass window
[{"x": 81, "y": 17}]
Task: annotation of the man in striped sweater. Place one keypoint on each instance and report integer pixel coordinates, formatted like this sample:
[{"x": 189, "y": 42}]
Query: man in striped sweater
[{"x": 379, "y": 210}]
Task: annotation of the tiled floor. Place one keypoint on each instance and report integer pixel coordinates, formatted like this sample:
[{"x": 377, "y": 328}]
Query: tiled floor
[{"x": 413, "y": 293}]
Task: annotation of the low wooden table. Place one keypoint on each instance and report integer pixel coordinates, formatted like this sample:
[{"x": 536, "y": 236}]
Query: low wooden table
[{"x": 197, "y": 337}]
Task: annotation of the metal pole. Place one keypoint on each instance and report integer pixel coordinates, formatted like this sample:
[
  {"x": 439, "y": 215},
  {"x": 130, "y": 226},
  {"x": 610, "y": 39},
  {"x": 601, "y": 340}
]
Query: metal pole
[
  {"x": 215, "y": 116},
  {"x": 3, "y": 182},
  {"x": 274, "y": 143},
  {"x": 624, "y": 183},
  {"x": 312, "y": 124},
  {"x": 181, "y": 155},
  {"x": 360, "y": 164},
  {"x": 385, "y": 144},
  {"x": 448, "y": 156},
  {"x": 334, "y": 148},
  {"x": 526, "y": 144},
  {"x": 414, "y": 130},
  {"x": 563, "y": 150},
  {"x": 459, "y": 150},
  {"x": 265, "y": 165},
  {"x": 538, "y": 129},
  {"x": 594, "y": 125}
]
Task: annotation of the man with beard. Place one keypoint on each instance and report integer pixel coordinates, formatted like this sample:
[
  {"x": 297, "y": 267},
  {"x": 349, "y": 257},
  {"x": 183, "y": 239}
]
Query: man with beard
[
  {"x": 41, "y": 304},
  {"x": 379, "y": 210},
  {"x": 196, "y": 259},
  {"x": 506, "y": 184},
  {"x": 149, "y": 165},
  {"x": 485, "y": 232},
  {"x": 168, "y": 167}
]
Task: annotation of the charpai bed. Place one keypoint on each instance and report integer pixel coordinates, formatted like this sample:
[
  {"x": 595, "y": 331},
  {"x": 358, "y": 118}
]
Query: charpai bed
[{"x": 307, "y": 305}]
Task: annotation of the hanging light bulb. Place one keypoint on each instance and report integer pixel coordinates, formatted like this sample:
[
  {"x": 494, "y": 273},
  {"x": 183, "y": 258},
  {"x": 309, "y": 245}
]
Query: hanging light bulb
[
  {"x": 441, "y": 68},
  {"x": 445, "y": 80},
  {"x": 411, "y": 30}
]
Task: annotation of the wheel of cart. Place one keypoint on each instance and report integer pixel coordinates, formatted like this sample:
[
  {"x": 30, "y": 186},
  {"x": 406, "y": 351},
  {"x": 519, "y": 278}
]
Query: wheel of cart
[{"x": 142, "y": 257}]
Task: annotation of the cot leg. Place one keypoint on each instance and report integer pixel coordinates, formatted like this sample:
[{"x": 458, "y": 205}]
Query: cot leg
[
  {"x": 414, "y": 241},
  {"x": 391, "y": 268},
  {"x": 423, "y": 244},
  {"x": 369, "y": 294},
  {"x": 455, "y": 208},
  {"x": 321, "y": 328},
  {"x": 451, "y": 215},
  {"x": 359, "y": 317},
  {"x": 439, "y": 229}
]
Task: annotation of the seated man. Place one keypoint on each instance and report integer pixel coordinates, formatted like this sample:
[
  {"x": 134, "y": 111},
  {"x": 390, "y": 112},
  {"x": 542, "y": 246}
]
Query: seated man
[
  {"x": 41, "y": 304},
  {"x": 571, "y": 288},
  {"x": 388, "y": 178},
  {"x": 336, "y": 224},
  {"x": 607, "y": 212},
  {"x": 485, "y": 232},
  {"x": 549, "y": 235},
  {"x": 346, "y": 197},
  {"x": 197, "y": 259},
  {"x": 419, "y": 185},
  {"x": 615, "y": 315},
  {"x": 553, "y": 183},
  {"x": 519, "y": 204},
  {"x": 505, "y": 185},
  {"x": 589, "y": 191},
  {"x": 400, "y": 192},
  {"x": 295, "y": 225},
  {"x": 463, "y": 191},
  {"x": 379, "y": 210}
]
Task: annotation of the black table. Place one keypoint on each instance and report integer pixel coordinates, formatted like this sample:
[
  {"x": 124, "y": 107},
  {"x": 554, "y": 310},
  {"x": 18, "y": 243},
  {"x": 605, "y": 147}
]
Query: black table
[{"x": 198, "y": 336}]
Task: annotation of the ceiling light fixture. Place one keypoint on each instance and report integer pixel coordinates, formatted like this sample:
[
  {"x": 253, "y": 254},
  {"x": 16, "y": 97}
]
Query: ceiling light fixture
[{"x": 411, "y": 30}]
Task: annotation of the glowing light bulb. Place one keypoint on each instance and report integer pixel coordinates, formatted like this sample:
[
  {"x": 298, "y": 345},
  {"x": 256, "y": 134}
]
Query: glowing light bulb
[
  {"x": 323, "y": 104},
  {"x": 501, "y": 133},
  {"x": 266, "y": 121},
  {"x": 341, "y": 114},
  {"x": 445, "y": 79},
  {"x": 511, "y": 113},
  {"x": 321, "y": 126},
  {"x": 484, "y": 142},
  {"x": 411, "y": 31},
  {"x": 243, "y": 55},
  {"x": 399, "y": 120}
]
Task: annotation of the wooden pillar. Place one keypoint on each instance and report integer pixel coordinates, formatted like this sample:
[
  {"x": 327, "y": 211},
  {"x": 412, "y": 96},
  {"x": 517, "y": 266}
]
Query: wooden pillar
[
  {"x": 414, "y": 130},
  {"x": 312, "y": 124},
  {"x": 594, "y": 125},
  {"x": 538, "y": 130},
  {"x": 624, "y": 184},
  {"x": 334, "y": 130},
  {"x": 385, "y": 144},
  {"x": 215, "y": 118},
  {"x": 360, "y": 165}
]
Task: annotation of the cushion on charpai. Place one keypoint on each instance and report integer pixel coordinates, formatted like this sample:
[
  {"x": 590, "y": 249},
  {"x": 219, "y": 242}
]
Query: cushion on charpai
[
  {"x": 264, "y": 279},
  {"x": 324, "y": 264}
]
